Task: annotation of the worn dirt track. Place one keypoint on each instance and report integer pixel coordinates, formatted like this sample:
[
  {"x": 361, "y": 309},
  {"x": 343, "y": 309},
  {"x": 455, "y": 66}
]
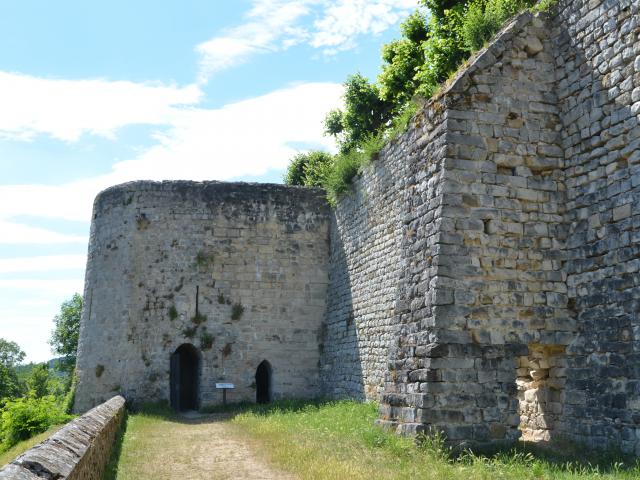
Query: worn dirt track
[{"x": 198, "y": 447}]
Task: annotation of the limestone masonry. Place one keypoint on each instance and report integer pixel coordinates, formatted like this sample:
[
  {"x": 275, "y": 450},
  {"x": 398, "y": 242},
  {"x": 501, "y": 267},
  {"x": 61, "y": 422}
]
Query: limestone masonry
[{"x": 481, "y": 279}]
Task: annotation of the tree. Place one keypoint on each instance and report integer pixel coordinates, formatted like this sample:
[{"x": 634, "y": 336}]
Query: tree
[
  {"x": 365, "y": 112},
  {"x": 10, "y": 386},
  {"x": 403, "y": 59},
  {"x": 309, "y": 169},
  {"x": 38, "y": 381},
  {"x": 431, "y": 49},
  {"x": 10, "y": 353},
  {"x": 10, "y": 356},
  {"x": 64, "y": 338},
  {"x": 445, "y": 48},
  {"x": 439, "y": 7}
]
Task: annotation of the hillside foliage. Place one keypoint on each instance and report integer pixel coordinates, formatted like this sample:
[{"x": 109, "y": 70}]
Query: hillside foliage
[
  {"x": 37, "y": 396},
  {"x": 435, "y": 41}
]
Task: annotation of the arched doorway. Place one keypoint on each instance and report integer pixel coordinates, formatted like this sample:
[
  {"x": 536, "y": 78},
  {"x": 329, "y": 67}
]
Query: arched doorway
[
  {"x": 263, "y": 382},
  {"x": 185, "y": 369}
]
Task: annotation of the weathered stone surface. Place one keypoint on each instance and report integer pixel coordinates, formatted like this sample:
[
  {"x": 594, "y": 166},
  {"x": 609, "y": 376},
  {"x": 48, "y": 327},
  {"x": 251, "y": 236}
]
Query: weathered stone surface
[
  {"x": 516, "y": 234},
  {"x": 480, "y": 279},
  {"x": 78, "y": 451},
  {"x": 160, "y": 252}
]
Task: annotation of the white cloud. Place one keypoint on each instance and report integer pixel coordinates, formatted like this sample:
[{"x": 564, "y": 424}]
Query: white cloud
[
  {"x": 31, "y": 333},
  {"x": 27, "y": 308},
  {"x": 42, "y": 263},
  {"x": 39, "y": 287},
  {"x": 66, "y": 109},
  {"x": 249, "y": 137},
  {"x": 19, "y": 234},
  {"x": 268, "y": 22},
  {"x": 274, "y": 25},
  {"x": 343, "y": 21},
  {"x": 244, "y": 138}
]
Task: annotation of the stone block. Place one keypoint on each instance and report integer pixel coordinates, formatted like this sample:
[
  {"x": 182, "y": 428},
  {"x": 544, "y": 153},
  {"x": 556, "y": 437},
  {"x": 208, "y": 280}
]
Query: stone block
[{"x": 622, "y": 212}]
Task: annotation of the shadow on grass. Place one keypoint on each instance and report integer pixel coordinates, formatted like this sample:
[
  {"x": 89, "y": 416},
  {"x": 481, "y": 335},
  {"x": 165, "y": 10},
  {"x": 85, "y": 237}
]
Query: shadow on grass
[
  {"x": 564, "y": 455},
  {"x": 162, "y": 410},
  {"x": 281, "y": 406},
  {"x": 111, "y": 471}
]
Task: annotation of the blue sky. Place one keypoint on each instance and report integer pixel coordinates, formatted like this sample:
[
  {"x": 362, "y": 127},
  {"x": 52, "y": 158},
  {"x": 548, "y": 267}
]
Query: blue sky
[{"x": 98, "y": 93}]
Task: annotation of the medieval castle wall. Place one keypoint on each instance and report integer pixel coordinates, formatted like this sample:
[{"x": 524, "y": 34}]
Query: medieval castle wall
[
  {"x": 238, "y": 271},
  {"x": 597, "y": 47},
  {"x": 517, "y": 288},
  {"x": 366, "y": 235},
  {"x": 480, "y": 279}
]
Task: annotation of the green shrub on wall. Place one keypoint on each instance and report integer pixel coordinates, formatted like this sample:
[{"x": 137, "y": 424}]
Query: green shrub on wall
[
  {"x": 309, "y": 169},
  {"x": 485, "y": 17},
  {"x": 436, "y": 40}
]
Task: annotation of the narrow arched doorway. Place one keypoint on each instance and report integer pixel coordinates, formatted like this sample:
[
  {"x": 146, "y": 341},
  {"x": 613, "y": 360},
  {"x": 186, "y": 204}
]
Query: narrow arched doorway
[
  {"x": 185, "y": 369},
  {"x": 263, "y": 382}
]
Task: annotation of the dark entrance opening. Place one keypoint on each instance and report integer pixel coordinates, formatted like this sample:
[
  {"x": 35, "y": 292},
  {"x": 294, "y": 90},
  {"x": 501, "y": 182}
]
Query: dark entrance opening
[
  {"x": 185, "y": 368},
  {"x": 263, "y": 382}
]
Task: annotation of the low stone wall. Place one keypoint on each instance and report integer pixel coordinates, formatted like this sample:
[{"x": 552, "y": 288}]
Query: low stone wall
[{"x": 80, "y": 450}]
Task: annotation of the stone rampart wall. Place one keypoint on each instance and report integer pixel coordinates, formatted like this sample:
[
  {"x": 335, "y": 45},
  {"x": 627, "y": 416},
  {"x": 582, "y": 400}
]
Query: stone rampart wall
[
  {"x": 78, "y": 451},
  {"x": 366, "y": 238},
  {"x": 597, "y": 47},
  {"x": 517, "y": 287},
  {"x": 488, "y": 283}
]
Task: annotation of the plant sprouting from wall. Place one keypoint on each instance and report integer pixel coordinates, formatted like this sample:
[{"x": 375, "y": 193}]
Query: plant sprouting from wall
[
  {"x": 189, "y": 332},
  {"x": 206, "y": 341},
  {"x": 173, "y": 313},
  {"x": 236, "y": 311},
  {"x": 204, "y": 259},
  {"x": 145, "y": 360},
  {"x": 199, "y": 318},
  {"x": 142, "y": 221}
]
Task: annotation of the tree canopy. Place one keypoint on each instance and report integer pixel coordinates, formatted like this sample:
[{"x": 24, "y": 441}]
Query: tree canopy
[
  {"x": 10, "y": 353},
  {"x": 10, "y": 356},
  {"x": 309, "y": 169},
  {"x": 64, "y": 338}
]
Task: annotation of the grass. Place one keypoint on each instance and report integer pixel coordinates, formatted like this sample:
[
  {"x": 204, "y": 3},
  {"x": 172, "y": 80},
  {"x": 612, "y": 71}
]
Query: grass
[
  {"x": 133, "y": 441},
  {"x": 327, "y": 440},
  {"x": 156, "y": 444},
  {"x": 338, "y": 440},
  {"x": 21, "y": 447}
]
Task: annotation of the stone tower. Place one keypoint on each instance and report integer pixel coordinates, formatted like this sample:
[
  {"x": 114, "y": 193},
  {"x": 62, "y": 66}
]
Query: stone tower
[{"x": 217, "y": 277}]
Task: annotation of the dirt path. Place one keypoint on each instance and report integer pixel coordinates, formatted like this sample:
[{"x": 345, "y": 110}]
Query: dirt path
[{"x": 197, "y": 447}]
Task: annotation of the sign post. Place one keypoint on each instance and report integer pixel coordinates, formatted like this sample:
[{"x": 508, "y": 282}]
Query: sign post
[{"x": 224, "y": 387}]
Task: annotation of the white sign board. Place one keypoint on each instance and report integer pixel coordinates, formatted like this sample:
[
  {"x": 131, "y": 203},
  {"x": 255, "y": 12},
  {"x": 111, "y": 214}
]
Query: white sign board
[{"x": 225, "y": 385}]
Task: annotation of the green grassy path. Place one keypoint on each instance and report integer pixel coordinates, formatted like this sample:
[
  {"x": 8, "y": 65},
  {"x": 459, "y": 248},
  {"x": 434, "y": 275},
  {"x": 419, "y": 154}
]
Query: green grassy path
[
  {"x": 317, "y": 441},
  {"x": 160, "y": 445}
]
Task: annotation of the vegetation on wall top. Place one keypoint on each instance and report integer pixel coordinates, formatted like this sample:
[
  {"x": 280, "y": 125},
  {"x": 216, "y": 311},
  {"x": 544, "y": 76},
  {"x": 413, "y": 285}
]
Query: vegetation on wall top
[{"x": 436, "y": 40}]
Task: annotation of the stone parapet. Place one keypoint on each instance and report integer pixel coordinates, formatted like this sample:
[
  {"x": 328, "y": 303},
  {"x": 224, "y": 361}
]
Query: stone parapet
[{"x": 78, "y": 451}]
